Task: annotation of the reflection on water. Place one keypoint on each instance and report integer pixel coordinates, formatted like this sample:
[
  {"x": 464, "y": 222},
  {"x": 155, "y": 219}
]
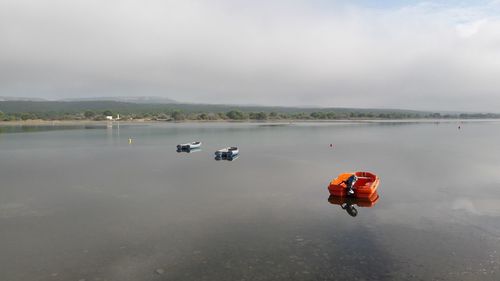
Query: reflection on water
[
  {"x": 55, "y": 127},
  {"x": 42, "y": 128},
  {"x": 348, "y": 203},
  {"x": 226, "y": 157},
  {"x": 188, "y": 150}
]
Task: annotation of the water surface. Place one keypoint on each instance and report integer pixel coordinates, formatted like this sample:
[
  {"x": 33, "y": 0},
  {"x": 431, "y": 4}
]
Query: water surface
[{"x": 82, "y": 203}]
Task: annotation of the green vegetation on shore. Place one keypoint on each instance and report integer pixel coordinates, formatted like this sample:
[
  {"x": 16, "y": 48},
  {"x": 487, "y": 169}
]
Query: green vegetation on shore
[{"x": 98, "y": 110}]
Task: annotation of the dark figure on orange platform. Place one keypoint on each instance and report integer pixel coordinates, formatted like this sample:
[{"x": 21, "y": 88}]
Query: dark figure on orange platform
[{"x": 350, "y": 184}]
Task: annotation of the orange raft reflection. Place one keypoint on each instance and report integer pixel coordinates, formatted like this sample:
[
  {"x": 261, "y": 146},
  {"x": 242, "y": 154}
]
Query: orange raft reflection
[
  {"x": 348, "y": 203},
  {"x": 365, "y": 186},
  {"x": 360, "y": 202}
]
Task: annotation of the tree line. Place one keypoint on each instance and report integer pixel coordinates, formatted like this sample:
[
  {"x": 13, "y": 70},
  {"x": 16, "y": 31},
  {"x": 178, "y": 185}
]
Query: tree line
[{"x": 236, "y": 115}]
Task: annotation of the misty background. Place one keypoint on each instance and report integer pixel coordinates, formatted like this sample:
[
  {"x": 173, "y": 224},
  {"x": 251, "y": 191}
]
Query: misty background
[{"x": 433, "y": 55}]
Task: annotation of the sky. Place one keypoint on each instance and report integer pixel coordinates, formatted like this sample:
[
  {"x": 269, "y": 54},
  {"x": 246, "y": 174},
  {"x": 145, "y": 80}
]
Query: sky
[{"x": 427, "y": 55}]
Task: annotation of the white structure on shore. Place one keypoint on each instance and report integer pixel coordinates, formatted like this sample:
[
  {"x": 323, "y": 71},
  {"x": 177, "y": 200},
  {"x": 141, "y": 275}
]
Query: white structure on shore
[{"x": 110, "y": 117}]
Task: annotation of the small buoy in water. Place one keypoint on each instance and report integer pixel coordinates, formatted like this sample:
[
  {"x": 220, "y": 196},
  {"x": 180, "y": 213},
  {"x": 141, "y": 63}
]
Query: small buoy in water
[
  {"x": 160, "y": 271},
  {"x": 129, "y": 141}
]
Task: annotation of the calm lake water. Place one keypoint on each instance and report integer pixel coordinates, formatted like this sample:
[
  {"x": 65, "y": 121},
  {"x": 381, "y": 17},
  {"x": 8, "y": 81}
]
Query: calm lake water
[{"x": 81, "y": 203}]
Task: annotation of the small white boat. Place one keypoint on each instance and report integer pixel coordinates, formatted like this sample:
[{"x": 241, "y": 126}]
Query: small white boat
[
  {"x": 227, "y": 152},
  {"x": 191, "y": 145}
]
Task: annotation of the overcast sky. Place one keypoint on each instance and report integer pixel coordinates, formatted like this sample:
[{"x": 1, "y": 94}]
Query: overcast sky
[{"x": 436, "y": 55}]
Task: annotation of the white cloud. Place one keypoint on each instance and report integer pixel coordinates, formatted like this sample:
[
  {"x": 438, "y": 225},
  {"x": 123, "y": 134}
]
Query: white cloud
[
  {"x": 283, "y": 52},
  {"x": 468, "y": 29}
]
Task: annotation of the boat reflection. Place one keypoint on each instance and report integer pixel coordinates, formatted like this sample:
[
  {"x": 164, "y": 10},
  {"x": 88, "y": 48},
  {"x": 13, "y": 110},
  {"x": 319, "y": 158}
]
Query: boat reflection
[
  {"x": 348, "y": 203},
  {"x": 188, "y": 150},
  {"x": 227, "y": 158}
]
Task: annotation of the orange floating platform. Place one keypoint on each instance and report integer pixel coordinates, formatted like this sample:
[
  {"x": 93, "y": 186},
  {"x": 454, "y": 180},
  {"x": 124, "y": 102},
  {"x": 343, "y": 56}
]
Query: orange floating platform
[{"x": 364, "y": 187}]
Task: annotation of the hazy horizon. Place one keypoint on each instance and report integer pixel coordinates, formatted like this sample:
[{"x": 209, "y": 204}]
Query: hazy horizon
[
  {"x": 138, "y": 101},
  {"x": 416, "y": 55}
]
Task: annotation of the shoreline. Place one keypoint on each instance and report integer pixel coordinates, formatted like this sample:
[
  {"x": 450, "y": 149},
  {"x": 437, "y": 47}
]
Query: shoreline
[{"x": 277, "y": 121}]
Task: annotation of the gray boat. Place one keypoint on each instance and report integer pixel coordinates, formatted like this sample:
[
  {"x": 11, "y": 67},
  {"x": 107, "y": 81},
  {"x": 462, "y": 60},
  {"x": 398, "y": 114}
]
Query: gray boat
[
  {"x": 191, "y": 145},
  {"x": 227, "y": 152}
]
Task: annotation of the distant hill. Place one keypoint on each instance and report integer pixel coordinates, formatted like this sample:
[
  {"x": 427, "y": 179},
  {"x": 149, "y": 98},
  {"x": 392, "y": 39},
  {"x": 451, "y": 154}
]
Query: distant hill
[
  {"x": 130, "y": 107},
  {"x": 149, "y": 100},
  {"x": 20, "y": 99}
]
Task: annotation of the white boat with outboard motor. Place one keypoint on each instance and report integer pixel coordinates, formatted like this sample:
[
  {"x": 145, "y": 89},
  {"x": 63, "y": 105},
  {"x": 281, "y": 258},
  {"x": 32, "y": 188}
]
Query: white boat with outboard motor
[{"x": 191, "y": 145}]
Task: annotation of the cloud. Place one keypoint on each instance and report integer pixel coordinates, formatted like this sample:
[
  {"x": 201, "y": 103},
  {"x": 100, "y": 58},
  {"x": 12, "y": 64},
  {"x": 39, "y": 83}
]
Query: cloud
[{"x": 423, "y": 56}]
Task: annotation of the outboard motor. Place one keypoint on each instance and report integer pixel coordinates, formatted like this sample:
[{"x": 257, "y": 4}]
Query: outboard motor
[{"x": 350, "y": 184}]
